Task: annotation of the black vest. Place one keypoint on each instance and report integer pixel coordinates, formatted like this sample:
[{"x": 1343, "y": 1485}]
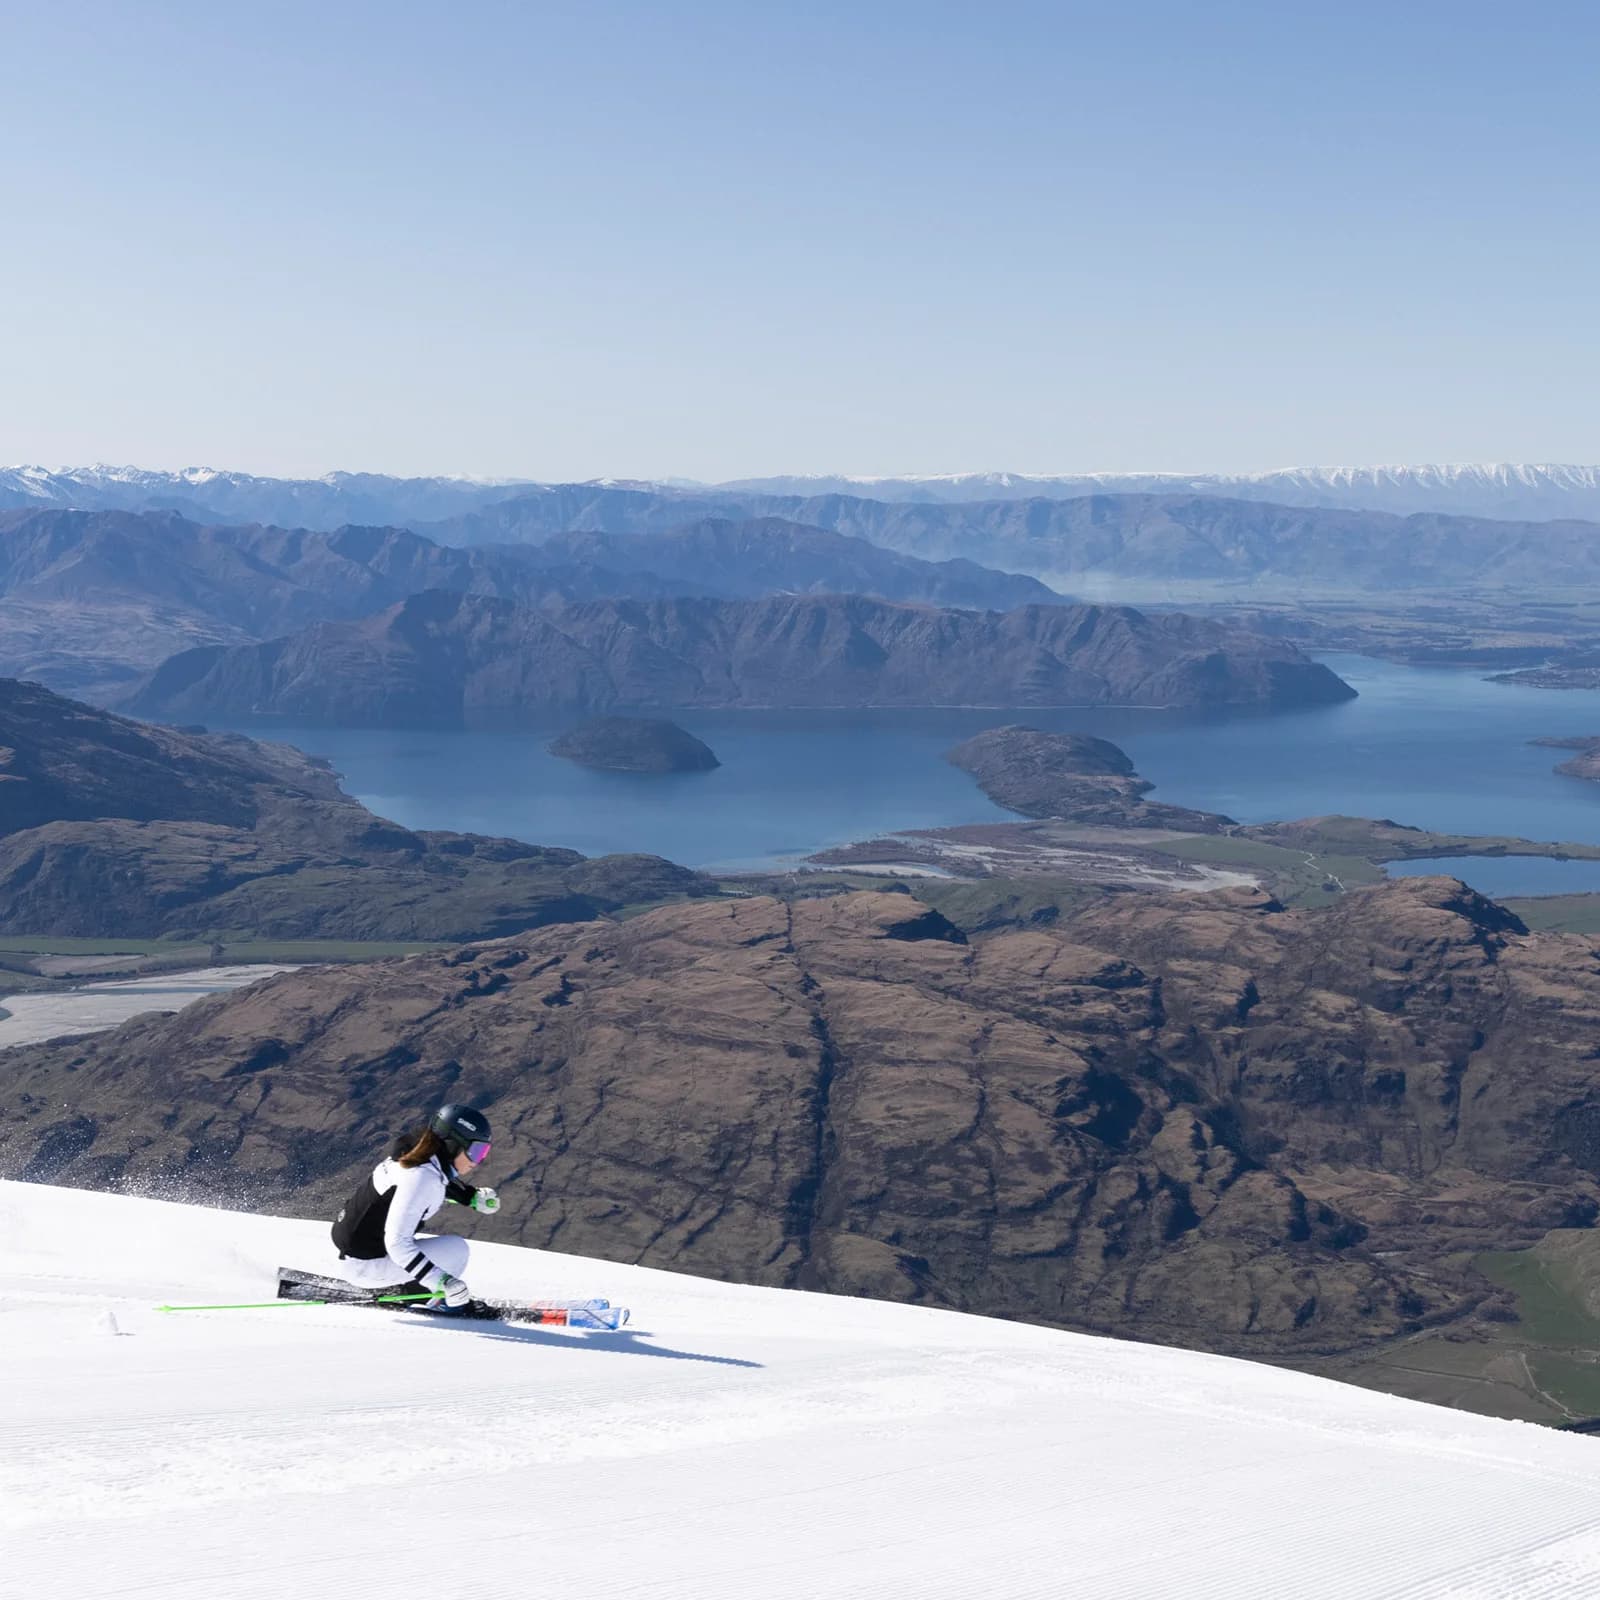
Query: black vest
[{"x": 358, "y": 1229}]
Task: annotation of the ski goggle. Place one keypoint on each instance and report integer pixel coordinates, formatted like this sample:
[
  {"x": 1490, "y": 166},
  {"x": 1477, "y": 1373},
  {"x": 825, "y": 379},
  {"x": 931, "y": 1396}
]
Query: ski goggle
[{"x": 478, "y": 1151}]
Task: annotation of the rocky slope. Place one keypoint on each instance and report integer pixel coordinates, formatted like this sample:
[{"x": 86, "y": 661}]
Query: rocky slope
[
  {"x": 1205, "y": 1120},
  {"x": 1070, "y": 776},
  {"x": 634, "y": 744},
  {"x": 62, "y": 761},
  {"x": 113, "y": 828},
  {"x": 448, "y": 659}
]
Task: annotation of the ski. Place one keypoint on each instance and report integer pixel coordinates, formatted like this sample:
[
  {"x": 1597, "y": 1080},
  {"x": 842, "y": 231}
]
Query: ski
[{"x": 593, "y": 1315}]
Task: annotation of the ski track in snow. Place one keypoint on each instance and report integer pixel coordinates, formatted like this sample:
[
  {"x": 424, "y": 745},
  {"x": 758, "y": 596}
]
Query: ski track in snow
[{"x": 731, "y": 1442}]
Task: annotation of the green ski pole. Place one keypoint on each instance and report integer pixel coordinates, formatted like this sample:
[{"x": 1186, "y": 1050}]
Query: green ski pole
[{"x": 272, "y": 1305}]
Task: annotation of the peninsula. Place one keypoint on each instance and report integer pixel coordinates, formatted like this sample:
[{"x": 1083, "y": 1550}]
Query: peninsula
[{"x": 446, "y": 660}]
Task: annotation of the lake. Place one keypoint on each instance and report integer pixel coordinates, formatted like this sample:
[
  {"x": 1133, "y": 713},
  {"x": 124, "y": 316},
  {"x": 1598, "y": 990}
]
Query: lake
[{"x": 1433, "y": 747}]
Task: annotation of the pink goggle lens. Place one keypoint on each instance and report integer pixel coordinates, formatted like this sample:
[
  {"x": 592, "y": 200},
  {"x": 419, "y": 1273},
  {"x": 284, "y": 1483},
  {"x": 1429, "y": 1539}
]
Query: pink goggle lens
[{"x": 478, "y": 1151}]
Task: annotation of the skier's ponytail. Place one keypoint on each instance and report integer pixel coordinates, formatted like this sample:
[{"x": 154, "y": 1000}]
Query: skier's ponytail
[{"x": 427, "y": 1145}]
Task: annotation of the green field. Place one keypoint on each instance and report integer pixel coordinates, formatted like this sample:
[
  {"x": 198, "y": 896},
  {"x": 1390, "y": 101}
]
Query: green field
[
  {"x": 1296, "y": 876},
  {"x": 1542, "y": 1367},
  {"x": 167, "y": 953},
  {"x": 1558, "y": 913},
  {"x": 1548, "y": 1301}
]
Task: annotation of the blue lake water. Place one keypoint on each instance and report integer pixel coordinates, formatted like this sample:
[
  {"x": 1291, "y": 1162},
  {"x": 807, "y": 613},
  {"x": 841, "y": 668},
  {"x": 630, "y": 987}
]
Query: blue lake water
[
  {"x": 1497, "y": 875},
  {"x": 1432, "y": 747}
]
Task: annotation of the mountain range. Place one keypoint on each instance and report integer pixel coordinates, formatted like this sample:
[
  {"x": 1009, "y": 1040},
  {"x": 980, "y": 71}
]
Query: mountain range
[
  {"x": 1518, "y": 491},
  {"x": 449, "y": 659},
  {"x": 1206, "y": 1120},
  {"x": 1153, "y": 539},
  {"x": 1502, "y": 489},
  {"x": 89, "y": 600},
  {"x": 1369, "y": 531}
]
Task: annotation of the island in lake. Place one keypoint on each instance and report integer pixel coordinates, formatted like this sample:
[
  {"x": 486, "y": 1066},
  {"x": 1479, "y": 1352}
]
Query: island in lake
[
  {"x": 1094, "y": 828},
  {"x": 1072, "y": 776},
  {"x": 634, "y": 744}
]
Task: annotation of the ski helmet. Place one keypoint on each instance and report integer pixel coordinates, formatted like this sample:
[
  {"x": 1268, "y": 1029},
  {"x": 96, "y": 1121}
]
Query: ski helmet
[{"x": 463, "y": 1129}]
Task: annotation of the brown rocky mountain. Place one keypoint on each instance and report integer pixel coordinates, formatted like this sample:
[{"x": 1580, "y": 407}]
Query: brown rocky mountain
[
  {"x": 448, "y": 659},
  {"x": 114, "y": 828},
  {"x": 1204, "y": 1119},
  {"x": 89, "y": 600},
  {"x": 1070, "y": 776},
  {"x": 62, "y": 761}
]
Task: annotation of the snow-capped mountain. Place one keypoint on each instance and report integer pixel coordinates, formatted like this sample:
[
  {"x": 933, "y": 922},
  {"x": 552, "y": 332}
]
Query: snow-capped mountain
[
  {"x": 208, "y": 495},
  {"x": 1514, "y": 491},
  {"x": 1508, "y": 491},
  {"x": 730, "y": 1442}
]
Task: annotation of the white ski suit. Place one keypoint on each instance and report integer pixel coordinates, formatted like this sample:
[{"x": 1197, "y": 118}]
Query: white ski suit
[{"x": 418, "y": 1192}]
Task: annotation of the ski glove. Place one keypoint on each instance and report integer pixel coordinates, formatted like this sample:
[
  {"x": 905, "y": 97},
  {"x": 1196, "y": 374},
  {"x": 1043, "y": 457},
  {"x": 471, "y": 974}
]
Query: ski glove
[
  {"x": 486, "y": 1201},
  {"x": 456, "y": 1293}
]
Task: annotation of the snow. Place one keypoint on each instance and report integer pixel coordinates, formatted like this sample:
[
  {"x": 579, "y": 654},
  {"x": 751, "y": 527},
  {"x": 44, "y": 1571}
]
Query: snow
[
  {"x": 733, "y": 1442},
  {"x": 1496, "y": 489}
]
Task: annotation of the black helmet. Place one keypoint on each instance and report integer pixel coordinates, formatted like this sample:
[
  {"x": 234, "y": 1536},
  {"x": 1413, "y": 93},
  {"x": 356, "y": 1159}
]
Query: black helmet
[{"x": 461, "y": 1127}]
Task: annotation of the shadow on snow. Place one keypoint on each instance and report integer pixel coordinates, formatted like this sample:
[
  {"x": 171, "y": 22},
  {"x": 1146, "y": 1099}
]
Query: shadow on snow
[{"x": 624, "y": 1342}]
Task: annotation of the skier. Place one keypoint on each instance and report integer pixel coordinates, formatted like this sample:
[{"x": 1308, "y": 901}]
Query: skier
[{"x": 376, "y": 1230}]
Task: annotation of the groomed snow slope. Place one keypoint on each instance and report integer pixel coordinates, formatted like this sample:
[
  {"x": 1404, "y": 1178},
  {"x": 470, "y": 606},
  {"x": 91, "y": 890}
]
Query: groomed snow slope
[{"x": 734, "y": 1443}]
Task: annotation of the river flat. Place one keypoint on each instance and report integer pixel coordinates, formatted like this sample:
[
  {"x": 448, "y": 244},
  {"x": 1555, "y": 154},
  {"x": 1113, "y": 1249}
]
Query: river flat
[
  {"x": 1432, "y": 747},
  {"x": 32, "y": 1018}
]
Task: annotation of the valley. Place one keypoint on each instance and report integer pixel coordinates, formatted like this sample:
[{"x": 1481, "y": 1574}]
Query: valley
[
  {"x": 628, "y": 963},
  {"x": 1046, "y": 959}
]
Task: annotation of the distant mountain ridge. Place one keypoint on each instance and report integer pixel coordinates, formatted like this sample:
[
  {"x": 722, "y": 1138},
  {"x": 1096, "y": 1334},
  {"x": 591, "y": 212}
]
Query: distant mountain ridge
[
  {"x": 1515, "y": 490},
  {"x": 1512, "y": 490},
  {"x": 448, "y": 660},
  {"x": 207, "y": 495},
  {"x": 1071, "y": 543},
  {"x": 91, "y": 599},
  {"x": 1335, "y": 530}
]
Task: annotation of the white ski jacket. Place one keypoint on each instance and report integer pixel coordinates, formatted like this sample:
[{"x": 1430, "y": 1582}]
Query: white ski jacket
[{"x": 418, "y": 1193}]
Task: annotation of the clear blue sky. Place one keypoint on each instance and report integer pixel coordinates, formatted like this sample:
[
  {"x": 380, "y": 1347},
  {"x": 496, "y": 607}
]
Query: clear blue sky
[{"x": 713, "y": 240}]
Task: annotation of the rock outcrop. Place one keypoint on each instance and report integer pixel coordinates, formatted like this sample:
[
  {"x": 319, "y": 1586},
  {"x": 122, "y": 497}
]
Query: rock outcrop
[
  {"x": 445, "y": 659},
  {"x": 634, "y": 744},
  {"x": 111, "y": 828},
  {"x": 1202, "y": 1119}
]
